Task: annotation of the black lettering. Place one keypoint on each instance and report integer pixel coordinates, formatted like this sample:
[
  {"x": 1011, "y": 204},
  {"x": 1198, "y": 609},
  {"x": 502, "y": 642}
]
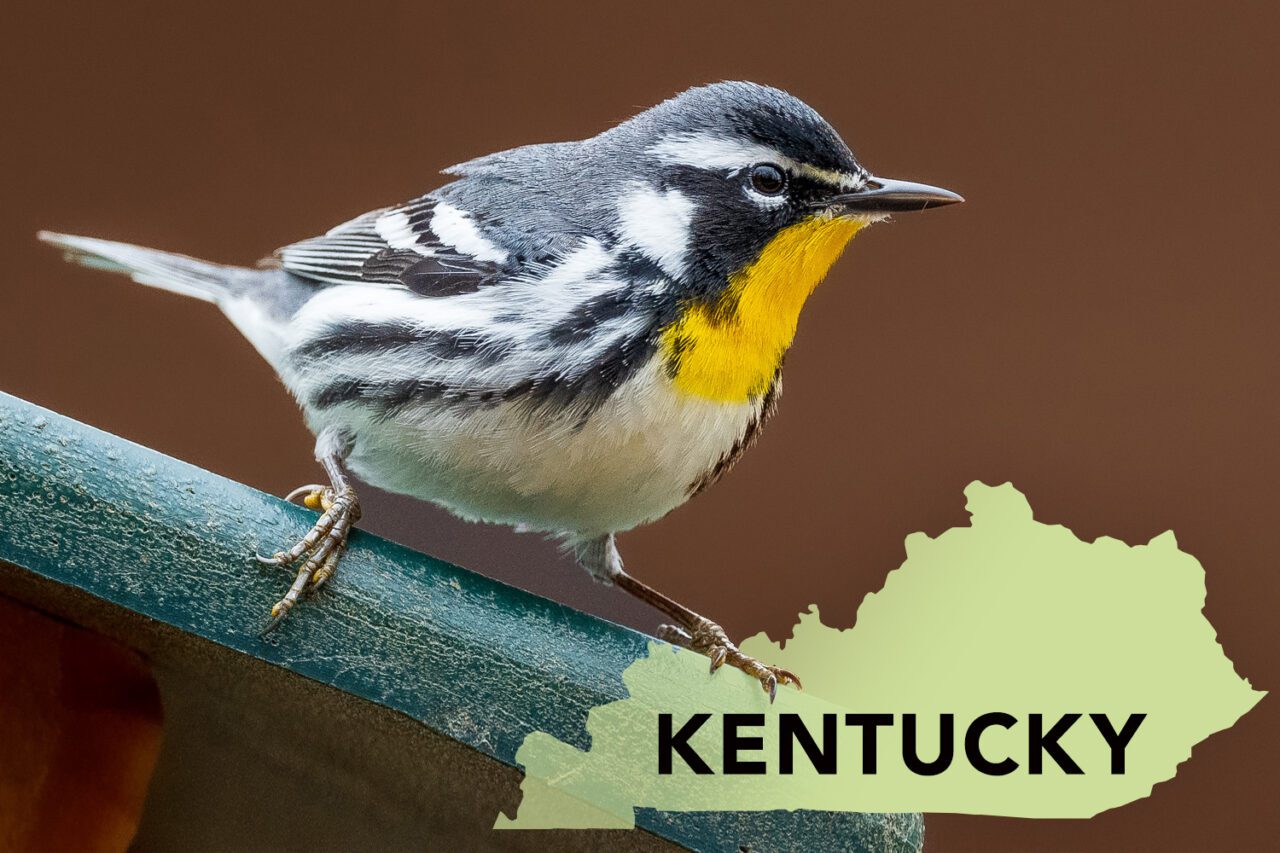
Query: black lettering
[
  {"x": 793, "y": 731},
  {"x": 869, "y": 723},
  {"x": 1041, "y": 742},
  {"x": 733, "y": 741},
  {"x": 680, "y": 743},
  {"x": 973, "y": 747},
  {"x": 1119, "y": 741},
  {"x": 946, "y": 745}
]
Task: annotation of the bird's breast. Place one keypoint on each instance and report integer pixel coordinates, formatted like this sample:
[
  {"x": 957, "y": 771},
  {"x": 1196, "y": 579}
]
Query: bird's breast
[
  {"x": 642, "y": 452},
  {"x": 730, "y": 349}
]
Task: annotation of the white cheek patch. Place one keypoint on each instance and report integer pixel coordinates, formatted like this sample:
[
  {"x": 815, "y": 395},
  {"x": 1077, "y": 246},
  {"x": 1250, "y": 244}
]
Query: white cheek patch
[
  {"x": 658, "y": 224},
  {"x": 455, "y": 228}
]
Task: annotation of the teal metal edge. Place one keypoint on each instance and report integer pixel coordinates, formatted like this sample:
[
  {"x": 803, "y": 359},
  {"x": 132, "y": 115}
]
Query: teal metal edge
[{"x": 469, "y": 657}]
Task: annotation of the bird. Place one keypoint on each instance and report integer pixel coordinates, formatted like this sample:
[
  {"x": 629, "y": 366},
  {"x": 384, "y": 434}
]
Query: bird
[{"x": 569, "y": 338}]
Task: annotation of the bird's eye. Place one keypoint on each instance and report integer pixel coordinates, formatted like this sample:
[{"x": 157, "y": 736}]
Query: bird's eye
[{"x": 768, "y": 179}]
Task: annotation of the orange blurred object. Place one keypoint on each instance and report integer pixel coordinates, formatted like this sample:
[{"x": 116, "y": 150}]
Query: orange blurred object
[{"x": 80, "y": 730}]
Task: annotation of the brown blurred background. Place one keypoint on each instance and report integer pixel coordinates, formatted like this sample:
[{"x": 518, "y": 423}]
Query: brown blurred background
[{"x": 1097, "y": 324}]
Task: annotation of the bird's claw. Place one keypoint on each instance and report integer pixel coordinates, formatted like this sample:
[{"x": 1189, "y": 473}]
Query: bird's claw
[
  {"x": 320, "y": 549},
  {"x": 709, "y": 639},
  {"x": 310, "y": 495}
]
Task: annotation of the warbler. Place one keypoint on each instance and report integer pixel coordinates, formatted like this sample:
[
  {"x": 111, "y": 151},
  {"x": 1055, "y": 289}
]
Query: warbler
[{"x": 571, "y": 338}]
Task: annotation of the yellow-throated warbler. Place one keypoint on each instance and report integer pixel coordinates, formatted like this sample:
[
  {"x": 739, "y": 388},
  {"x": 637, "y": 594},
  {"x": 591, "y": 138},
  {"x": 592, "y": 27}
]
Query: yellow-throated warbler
[{"x": 573, "y": 338}]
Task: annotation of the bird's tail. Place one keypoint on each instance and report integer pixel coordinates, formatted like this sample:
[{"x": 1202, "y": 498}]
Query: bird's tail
[{"x": 165, "y": 270}]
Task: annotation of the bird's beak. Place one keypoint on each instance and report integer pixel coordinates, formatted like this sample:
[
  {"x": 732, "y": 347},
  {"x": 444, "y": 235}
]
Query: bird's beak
[{"x": 885, "y": 195}]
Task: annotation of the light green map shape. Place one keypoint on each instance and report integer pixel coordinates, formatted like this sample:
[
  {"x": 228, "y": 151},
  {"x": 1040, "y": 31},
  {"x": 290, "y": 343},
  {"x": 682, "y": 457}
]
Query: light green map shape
[{"x": 1008, "y": 614}]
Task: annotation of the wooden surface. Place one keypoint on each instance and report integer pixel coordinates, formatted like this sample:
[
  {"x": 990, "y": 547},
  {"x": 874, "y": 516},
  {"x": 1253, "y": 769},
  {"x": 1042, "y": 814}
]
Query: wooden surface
[{"x": 410, "y": 683}]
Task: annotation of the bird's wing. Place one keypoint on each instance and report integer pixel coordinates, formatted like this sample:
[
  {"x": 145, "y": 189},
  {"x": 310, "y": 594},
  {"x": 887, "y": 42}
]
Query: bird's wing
[{"x": 426, "y": 246}]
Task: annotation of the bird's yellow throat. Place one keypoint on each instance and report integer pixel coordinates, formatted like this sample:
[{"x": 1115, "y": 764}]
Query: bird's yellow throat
[{"x": 729, "y": 350}]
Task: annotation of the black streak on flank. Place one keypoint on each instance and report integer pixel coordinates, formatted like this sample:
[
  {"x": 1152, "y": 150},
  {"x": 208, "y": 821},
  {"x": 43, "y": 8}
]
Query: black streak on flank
[
  {"x": 389, "y": 397},
  {"x": 580, "y": 392},
  {"x": 586, "y": 389},
  {"x": 680, "y": 344},
  {"x": 585, "y": 319},
  {"x": 637, "y": 268},
  {"x": 768, "y": 405},
  {"x": 335, "y": 393},
  {"x": 635, "y": 297},
  {"x": 356, "y": 338}
]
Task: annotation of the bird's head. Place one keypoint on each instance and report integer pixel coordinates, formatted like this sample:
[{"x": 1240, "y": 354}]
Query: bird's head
[
  {"x": 717, "y": 178},
  {"x": 745, "y": 197}
]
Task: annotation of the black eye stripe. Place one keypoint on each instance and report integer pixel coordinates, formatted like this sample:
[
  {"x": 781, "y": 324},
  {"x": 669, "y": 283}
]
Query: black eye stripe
[{"x": 767, "y": 179}]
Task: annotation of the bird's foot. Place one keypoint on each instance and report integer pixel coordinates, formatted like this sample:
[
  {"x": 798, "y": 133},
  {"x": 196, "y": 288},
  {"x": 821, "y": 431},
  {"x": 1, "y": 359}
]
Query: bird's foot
[
  {"x": 708, "y": 638},
  {"x": 321, "y": 549}
]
